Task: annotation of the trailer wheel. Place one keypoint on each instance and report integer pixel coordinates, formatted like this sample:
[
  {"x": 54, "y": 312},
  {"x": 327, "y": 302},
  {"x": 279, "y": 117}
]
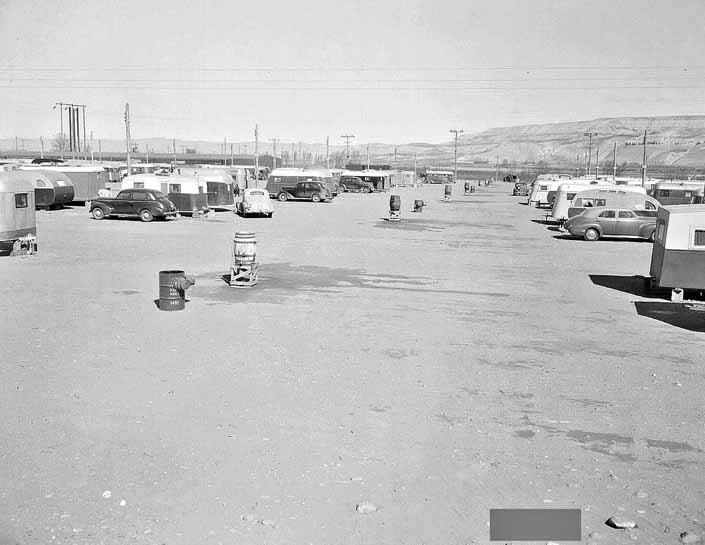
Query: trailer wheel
[
  {"x": 98, "y": 213},
  {"x": 592, "y": 235},
  {"x": 146, "y": 215}
]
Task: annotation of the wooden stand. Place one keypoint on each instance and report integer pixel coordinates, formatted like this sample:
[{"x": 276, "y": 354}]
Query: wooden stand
[
  {"x": 243, "y": 276},
  {"x": 394, "y": 215}
]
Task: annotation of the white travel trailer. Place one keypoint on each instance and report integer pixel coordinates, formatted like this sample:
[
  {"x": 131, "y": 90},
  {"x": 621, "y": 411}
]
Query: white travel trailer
[
  {"x": 543, "y": 191},
  {"x": 571, "y": 201},
  {"x": 564, "y": 195},
  {"x": 624, "y": 197},
  {"x": 188, "y": 193}
]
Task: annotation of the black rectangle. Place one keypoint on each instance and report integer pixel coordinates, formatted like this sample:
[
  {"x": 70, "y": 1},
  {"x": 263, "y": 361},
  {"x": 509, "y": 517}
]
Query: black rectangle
[{"x": 535, "y": 525}]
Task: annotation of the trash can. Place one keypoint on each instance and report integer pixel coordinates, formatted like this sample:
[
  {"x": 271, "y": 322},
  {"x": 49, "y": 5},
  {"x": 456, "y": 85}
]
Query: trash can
[{"x": 170, "y": 296}]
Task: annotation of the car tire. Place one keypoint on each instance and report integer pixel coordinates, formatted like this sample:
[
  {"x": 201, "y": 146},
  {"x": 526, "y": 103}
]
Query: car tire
[
  {"x": 316, "y": 197},
  {"x": 591, "y": 235},
  {"x": 98, "y": 213},
  {"x": 146, "y": 215},
  {"x": 282, "y": 196},
  {"x": 343, "y": 189},
  {"x": 369, "y": 190}
]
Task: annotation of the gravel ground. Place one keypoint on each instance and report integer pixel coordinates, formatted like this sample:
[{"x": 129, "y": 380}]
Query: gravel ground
[{"x": 466, "y": 358}]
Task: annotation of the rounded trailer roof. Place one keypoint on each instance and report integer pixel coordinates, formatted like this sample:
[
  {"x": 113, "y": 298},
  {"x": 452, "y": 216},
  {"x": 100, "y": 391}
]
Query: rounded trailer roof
[
  {"x": 155, "y": 181},
  {"x": 682, "y": 220}
]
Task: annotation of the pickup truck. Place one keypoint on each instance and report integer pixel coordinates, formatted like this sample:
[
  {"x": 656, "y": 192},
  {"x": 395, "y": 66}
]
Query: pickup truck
[
  {"x": 310, "y": 191},
  {"x": 146, "y": 204}
]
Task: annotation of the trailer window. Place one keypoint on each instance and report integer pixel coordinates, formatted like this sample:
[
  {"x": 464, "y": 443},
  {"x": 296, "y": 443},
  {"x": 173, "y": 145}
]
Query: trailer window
[
  {"x": 139, "y": 185},
  {"x": 21, "y": 200},
  {"x": 600, "y": 202},
  {"x": 174, "y": 188},
  {"x": 649, "y": 205},
  {"x": 40, "y": 183},
  {"x": 664, "y": 192},
  {"x": 570, "y": 196},
  {"x": 688, "y": 194},
  {"x": 660, "y": 230},
  {"x": 543, "y": 187},
  {"x": 699, "y": 237}
]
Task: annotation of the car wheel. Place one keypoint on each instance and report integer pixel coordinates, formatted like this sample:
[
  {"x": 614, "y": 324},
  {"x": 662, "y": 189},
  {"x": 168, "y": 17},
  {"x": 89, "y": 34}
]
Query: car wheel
[
  {"x": 98, "y": 213},
  {"x": 316, "y": 197},
  {"x": 282, "y": 196},
  {"x": 592, "y": 234},
  {"x": 146, "y": 215},
  {"x": 343, "y": 188},
  {"x": 369, "y": 190},
  {"x": 652, "y": 236}
]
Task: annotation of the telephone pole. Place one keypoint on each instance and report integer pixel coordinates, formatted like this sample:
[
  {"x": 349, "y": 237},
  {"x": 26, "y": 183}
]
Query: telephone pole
[
  {"x": 589, "y": 135},
  {"x": 256, "y": 155},
  {"x": 368, "y": 157},
  {"x": 327, "y": 151},
  {"x": 274, "y": 153},
  {"x": 41, "y": 143},
  {"x": 643, "y": 164},
  {"x": 225, "y": 151},
  {"x": 347, "y": 138},
  {"x": 614, "y": 162},
  {"x": 127, "y": 137},
  {"x": 597, "y": 163},
  {"x": 455, "y": 132}
]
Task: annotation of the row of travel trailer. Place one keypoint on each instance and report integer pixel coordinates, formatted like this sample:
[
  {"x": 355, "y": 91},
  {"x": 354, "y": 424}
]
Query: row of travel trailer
[{"x": 678, "y": 252}]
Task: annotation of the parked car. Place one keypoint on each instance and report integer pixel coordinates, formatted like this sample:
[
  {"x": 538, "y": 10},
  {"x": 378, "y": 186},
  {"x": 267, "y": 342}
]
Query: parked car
[
  {"x": 146, "y": 204},
  {"x": 255, "y": 201},
  {"x": 310, "y": 191},
  {"x": 598, "y": 222},
  {"x": 520, "y": 189},
  {"x": 353, "y": 183}
]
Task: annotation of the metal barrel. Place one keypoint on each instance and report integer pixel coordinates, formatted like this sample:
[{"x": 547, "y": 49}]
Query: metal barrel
[
  {"x": 448, "y": 190},
  {"x": 245, "y": 247},
  {"x": 418, "y": 205},
  {"x": 395, "y": 203},
  {"x": 170, "y": 297},
  {"x": 467, "y": 186}
]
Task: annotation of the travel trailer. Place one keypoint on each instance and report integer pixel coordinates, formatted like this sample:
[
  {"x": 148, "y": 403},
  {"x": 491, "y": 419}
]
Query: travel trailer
[
  {"x": 678, "y": 254},
  {"x": 188, "y": 193},
  {"x": 17, "y": 215}
]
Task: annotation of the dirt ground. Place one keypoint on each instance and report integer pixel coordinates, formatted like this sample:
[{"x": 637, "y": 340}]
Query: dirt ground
[{"x": 466, "y": 358}]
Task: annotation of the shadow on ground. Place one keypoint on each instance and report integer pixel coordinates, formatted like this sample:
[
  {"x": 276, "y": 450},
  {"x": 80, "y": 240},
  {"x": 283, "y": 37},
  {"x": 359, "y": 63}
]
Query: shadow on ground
[
  {"x": 690, "y": 316},
  {"x": 636, "y": 285},
  {"x": 277, "y": 281}
]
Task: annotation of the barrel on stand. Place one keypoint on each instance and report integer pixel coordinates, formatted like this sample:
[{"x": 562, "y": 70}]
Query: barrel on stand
[
  {"x": 418, "y": 205},
  {"x": 244, "y": 248},
  {"x": 170, "y": 296},
  {"x": 394, "y": 203},
  {"x": 448, "y": 191},
  {"x": 467, "y": 187}
]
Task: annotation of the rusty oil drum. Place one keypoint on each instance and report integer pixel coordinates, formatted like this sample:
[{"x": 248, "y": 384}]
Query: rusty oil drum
[
  {"x": 170, "y": 297},
  {"x": 244, "y": 248},
  {"x": 394, "y": 203},
  {"x": 448, "y": 190}
]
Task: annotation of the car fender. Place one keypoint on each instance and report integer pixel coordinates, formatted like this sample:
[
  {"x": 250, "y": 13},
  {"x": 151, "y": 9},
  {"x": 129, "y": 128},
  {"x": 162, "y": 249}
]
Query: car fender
[{"x": 105, "y": 207}]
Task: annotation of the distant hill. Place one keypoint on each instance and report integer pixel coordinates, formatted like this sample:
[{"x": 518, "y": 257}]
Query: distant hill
[{"x": 671, "y": 141}]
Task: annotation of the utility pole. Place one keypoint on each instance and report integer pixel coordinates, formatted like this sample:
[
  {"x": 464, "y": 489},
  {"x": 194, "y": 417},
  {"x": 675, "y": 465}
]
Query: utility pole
[
  {"x": 395, "y": 157},
  {"x": 597, "y": 163},
  {"x": 41, "y": 143},
  {"x": 274, "y": 153},
  {"x": 100, "y": 150},
  {"x": 91, "y": 146},
  {"x": 415, "y": 169},
  {"x": 643, "y": 164},
  {"x": 85, "y": 156},
  {"x": 173, "y": 149},
  {"x": 455, "y": 132},
  {"x": 347, "y": 138},
  {"x": 61, "y": 134},
  {"x": 497, "y": 170},
  {"x": 232, "y": 162},
  {"x": 327, "y": 151},
  {"x": 589, "y": 135},
  {"x": 127, "y": 137},
  {"x": 256, "y": 155},
  {"x": 614, "y": 163},
  {"x": 368, "y": 157},
  {"x": 577, "y": 165},
  {"x": 225, "y": 152}
]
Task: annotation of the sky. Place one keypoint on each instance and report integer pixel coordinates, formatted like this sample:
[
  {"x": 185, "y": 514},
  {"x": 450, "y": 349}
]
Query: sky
[{"x": 395, "y": 71}]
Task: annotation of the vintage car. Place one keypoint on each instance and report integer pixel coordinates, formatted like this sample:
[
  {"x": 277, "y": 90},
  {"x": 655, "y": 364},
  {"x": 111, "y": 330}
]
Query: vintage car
[
  {"x": 598, "y": 222},
  {"x": 146, "y": 204},
  {"x": 255, "y": 201},
  {"x": 309, "y": 191},
  {"x": 355, "y": 184},
  {"x": 520, "y": 189}
]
